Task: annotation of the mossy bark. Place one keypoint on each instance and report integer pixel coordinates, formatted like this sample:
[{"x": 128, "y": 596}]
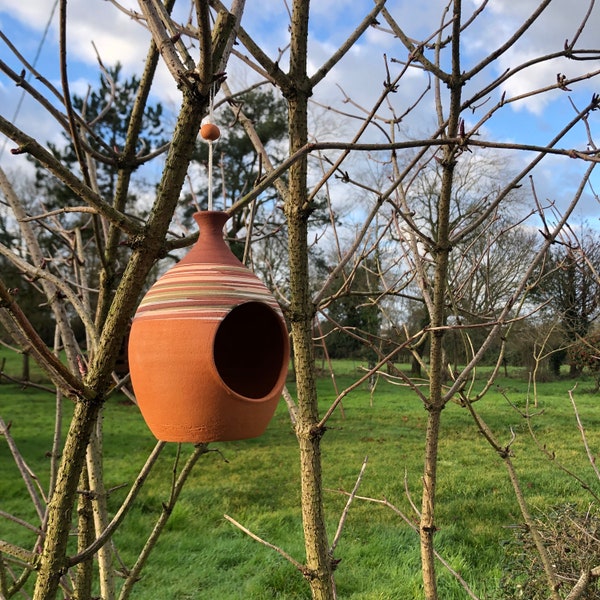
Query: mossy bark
[{"x": 53, "y": 561}]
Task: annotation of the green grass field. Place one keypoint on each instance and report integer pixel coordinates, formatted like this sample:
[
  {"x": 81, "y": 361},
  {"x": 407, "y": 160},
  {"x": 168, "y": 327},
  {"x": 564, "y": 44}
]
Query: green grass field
[{"x": 201, "y": 556}]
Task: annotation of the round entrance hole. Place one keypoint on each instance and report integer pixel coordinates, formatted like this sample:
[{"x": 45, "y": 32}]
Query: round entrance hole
[{"x": 250, "y": 349}]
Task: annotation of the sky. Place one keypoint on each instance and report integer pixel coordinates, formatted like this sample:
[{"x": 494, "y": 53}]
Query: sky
[{"x": 97, "y": 27}]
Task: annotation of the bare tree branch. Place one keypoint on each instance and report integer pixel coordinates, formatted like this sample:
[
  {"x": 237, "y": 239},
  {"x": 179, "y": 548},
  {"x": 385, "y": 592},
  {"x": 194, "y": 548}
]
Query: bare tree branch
[{"x": 279, "y": 551}]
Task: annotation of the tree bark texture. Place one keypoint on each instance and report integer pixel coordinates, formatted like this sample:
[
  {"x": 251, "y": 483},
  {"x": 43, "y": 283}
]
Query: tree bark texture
[
  {"x": 440, "y": 254},
  {"x": 60, "y": 508},
  {"x": 301, "y": 314}
]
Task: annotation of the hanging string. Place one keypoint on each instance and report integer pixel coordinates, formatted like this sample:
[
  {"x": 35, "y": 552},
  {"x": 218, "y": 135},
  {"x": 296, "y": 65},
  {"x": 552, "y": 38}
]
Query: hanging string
[
  {"x": 210, "y": 175},
  {"x": 211, "y": 103},
  {"x": 211, "y": 109},
  {"x": 210, "y": 132}
]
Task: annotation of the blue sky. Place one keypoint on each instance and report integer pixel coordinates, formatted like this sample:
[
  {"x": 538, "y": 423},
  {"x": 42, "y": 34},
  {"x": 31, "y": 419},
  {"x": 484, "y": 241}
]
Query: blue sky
[{"x": 360, "y": 75}]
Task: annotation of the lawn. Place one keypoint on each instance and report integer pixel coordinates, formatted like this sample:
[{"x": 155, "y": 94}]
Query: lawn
[{"x": 202, "y": 556}]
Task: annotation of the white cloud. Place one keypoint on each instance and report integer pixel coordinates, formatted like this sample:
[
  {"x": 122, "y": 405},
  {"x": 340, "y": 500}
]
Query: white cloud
[
  {"x": 557, "y": 24},
  {"x": 35, "y": 13},
  {"x": 361, "y": 73},
  {"x": 118, "y": 38},
  {"x": 87, "y": 21}
]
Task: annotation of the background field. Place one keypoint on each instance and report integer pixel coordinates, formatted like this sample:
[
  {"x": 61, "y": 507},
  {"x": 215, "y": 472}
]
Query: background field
[{"x": 202, "y": 556}]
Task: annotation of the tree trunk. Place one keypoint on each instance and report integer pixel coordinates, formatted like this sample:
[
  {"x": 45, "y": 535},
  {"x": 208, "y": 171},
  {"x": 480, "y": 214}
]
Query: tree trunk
[
  {"x": 60, "y": 508},
  {"x": 435, "y": 403},
  {"x": 301, "y": 314},
  {"x": 85, "y": 536},
  {"x": 427, "y": 524},
  {"x": 100, "y": 512},
  {"x": 438, "y": 370}
]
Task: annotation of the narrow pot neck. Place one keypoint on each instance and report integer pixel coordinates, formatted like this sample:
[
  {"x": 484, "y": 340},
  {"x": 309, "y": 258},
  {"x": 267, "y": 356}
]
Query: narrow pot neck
[
  {"x": 211, "y": 222},
  {"x": 211, "y": 247}
]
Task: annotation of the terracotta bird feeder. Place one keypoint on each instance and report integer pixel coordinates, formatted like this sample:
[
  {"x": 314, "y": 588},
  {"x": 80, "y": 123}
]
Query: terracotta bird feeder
[{"x": 208, "y": 349}]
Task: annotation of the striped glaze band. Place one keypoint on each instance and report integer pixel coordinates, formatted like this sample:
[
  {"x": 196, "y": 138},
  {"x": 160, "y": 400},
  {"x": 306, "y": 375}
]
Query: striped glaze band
[{"x": 203, "y": 291}]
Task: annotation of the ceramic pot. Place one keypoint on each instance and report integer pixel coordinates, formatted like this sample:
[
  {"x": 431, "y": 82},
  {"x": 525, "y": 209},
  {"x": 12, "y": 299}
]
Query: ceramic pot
[{"x": 208, "y": 349}]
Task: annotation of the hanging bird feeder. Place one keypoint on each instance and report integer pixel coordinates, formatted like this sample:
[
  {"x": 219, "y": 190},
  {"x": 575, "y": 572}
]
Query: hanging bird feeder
[{"x": 209, "y": 349}]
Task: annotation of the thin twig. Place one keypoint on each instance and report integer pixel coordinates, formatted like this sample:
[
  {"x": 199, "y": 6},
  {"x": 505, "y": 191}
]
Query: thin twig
[
  {"x": 59, "y": 211},
  {"x": 124, "y": 508},
  {"x": 177, "y": 487},
  {"x": 21, "y": 522},
  {"x": 291, "y": 405},
  {"x": 30, "y": 480},
  {"x": 338, "y": 533},
  {"x": 283, "y": 553},
  {"x": 588, "y": 451},
  {"x": 385, "y": 502}
]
